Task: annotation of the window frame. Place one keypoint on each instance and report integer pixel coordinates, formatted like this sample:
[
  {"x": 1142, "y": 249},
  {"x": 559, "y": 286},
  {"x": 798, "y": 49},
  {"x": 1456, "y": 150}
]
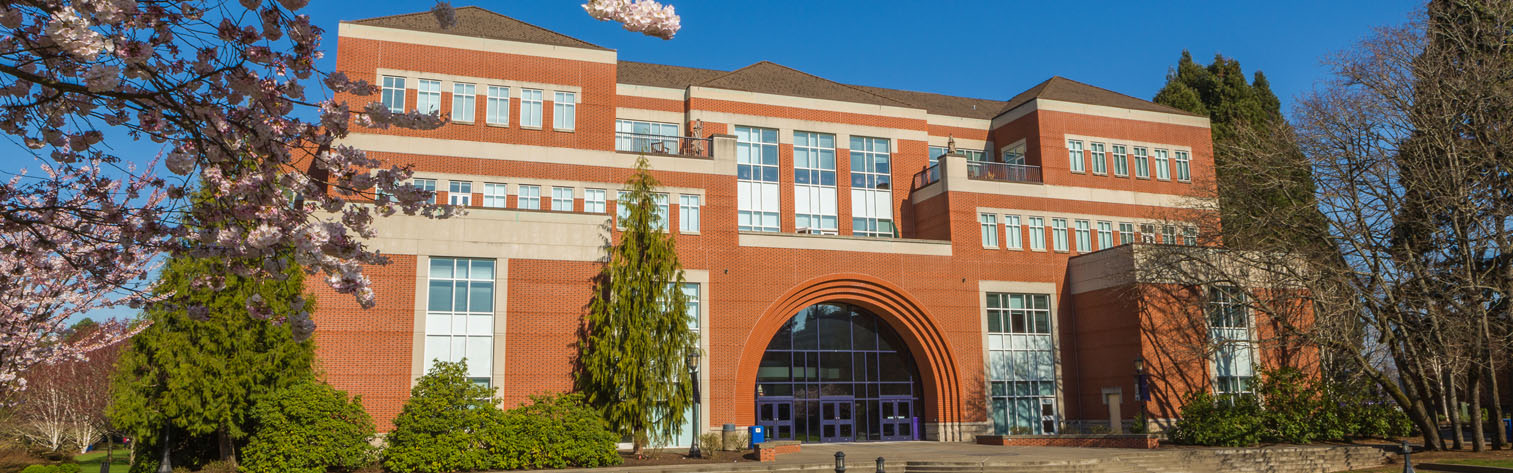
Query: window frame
[
  {"x": 1127, "y": 234},
  {"x": 460, "y": 193},
  {"x": 424, "y": 183},
  {"x": 497, "y": 105},
  {"x": 475, "y": 329},
  {"x": 1099, "y": 158},
  {"x": 1105, "y": 235},
  {"x": 1121, "y": 160},
  {"x": 567, "y": 109},
  {"x": 528, "y": 193},
  {"x": 501, "y": 198},
  {"x": 810, "y": 174},
  {"x": 1076, "y": 158},
  {"x": 1060, "y": 242},
  {"x": 1037, "y": 233},
  {"x": 870, "y": 181},
  {"x": 428, "y": 95},
  {"x": 1142, "y": 162},
  {"x": 689, "y": 213},
  {"x": 594, "y": 205},
  {"x": 1162, "y": 163},
  {"x": 1183, "y": 161},
  {"x": 1082, "y": 231},
  {"x": 531, "y": 111},
  {"x": 464, "y": 95},
  {"x": 559, "y": 202},
  {"x": 1013, "y": 236},
  {"x": 392, "y": 93},
  {"x": 989, "y": 225}
]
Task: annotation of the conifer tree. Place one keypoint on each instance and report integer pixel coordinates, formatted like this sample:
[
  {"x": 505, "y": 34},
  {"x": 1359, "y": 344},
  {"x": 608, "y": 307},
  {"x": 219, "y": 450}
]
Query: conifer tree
[{"x": 631, "y": 356}]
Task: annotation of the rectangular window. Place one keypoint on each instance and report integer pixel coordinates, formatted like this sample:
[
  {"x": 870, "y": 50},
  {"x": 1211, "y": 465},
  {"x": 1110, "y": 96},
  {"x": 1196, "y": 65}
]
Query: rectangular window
[
  {"x": 497, "y": 107},
  {"x": 1058, "y": 234},
  {"x": 646, "y": 137},
  {"x": 1163, "y": 167},
  {"x": 529, "y": 198},
  {"x": 1021, "y": 364},
  {"x": 1012, "y": 233},
  {"x": 1074, "y": 155},
  {"x": 972, "y": 154},
  {"x": 460, "y": 314},
  {"x": 1169, "y": 234},
  {"x": 814, "y": 190},
  {"x": 691, "y": 309},
  {"x": 1037, "y": 233},
  {"x": 428, "y": 96},
  {"x": 1100, "y": 160},
  {"x": 1190, "y": 236},
  {"x": 464, "y": 101},
  {"x": 989, "y": 224},
  {"x": 393, "y": 94},
  {"x": 426, "y": 185},
  {"x": 562, "y": 199},
  {"x": 1013, "y": 154},
  {"x": 1084, "y": 236},
  {"x": 593, "y": 201},
  {"x": 530, "y": 108},
  {"x": 688, "y": 213},
  {"x": 564, "y": 110},
  {"x": 663, "y": 215},
  {"x": 1184, "y": 166},
  {"x": 460, "y": 193},
  {"x": 756, "y": 152},
  {"x": 1147, "y": 233},
  {"x": 494, "y": 195},
  {"x": 1126, "y": 233},
  {"x": 1142, "y": 164},
  {"x": 871, "y": 181},
  {"x": 660, "y": 216},
  {"x": 1105, "y": 235},
  {"x": 1121, "y": 161},
  {"x": 1229, "y": 331}
]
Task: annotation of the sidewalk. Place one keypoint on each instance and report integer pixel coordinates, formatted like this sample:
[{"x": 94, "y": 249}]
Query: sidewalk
[{"x": 862, "y": 457}]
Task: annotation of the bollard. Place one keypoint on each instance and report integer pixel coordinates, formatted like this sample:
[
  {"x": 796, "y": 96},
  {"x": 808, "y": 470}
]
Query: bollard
[
  {"x": 1407, "y": 465},
  {"x": 840, "y": 462},
  {"x": 881, "y": 466}
]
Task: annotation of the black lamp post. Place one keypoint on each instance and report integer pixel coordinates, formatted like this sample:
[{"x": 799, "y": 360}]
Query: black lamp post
[
  {"x": 1142, "y": 386},
  {"x": 1407, "y": 464},
  {"x": 692, "y": 359}
]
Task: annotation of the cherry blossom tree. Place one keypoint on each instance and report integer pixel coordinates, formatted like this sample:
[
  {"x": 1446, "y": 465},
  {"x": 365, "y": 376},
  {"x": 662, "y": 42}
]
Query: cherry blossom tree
[{"x": 642, "y": 16}]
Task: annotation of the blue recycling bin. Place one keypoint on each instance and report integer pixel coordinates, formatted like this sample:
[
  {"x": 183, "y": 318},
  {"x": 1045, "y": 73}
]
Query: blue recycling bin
[
  {"x": 1508, "y": 424},
  {"x": 757, "y": 434}
]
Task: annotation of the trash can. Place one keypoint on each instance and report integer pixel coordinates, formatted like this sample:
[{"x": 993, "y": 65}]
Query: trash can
[
  {"x": 757, "y": 434},
  {"x": 728, "y": 438}
]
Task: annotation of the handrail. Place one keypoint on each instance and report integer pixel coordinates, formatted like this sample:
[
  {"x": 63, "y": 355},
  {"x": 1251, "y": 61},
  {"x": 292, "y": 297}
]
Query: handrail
[
  {"x": 664, "y": 144},
  {"x": 1003, "y": 172},
  {"x": 928, "y": 176}
]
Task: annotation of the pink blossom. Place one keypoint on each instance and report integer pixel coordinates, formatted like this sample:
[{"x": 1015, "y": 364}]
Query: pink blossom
[{"x": 644, "y": 16}]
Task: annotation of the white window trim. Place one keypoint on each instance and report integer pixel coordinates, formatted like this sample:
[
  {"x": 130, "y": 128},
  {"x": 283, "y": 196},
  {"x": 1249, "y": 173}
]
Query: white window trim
[
  {"x": 526, "y": 117},
  {"x": 572, "y": 109}
]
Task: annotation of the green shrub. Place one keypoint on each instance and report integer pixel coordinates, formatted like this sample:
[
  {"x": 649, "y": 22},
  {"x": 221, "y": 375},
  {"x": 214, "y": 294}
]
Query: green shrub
[
  {"x": 1219, "y": 421},
  {"x": 441, "y": 427},
  {"x": 53, "y": 468},
  {"x": 1290, "y": 406},
  {"x": 310, "y": 427},
  {"x": 552, "y": 431}
]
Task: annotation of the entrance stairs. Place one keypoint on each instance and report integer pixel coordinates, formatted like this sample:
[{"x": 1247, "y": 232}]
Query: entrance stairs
[{"x": 1197, "y": 460}]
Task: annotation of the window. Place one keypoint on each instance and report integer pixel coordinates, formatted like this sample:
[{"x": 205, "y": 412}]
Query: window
[
  {"x": 564, "y": 110},
  {"x": 593, "y": 201},
  {"x": 756, "y": 152},
  {"x": 497, "y": 106},
  {"x": 1168, "y": 234},
  {"x": 1100, "y": 160},
  {"x": 463, "y": 102},
  {"x": 426, "y": 185},
  {"x": 1037, "y": 233},
  {"x": 1142, "y": 164},
  {"x": 428, "y": 96},
  {"x": 622, "y": 210},
  {"x": 494, "y": 195},
  {"x": 1084, "y": 236},
  {"x": 562, "y": 199},
  {"x": 1058, "y": 234},
  {"x": 1074, "y": 155},
  {"x": 972, "y": 154},
  {"x": 1184, "y": 166},
  {"x": 989, "y": 230},
  {"x": 646, "y": 137},
  {"x": 460, "y": 314},
  {"x": 393, "y": 94},
  {"x": 1021, "y": 364},
  {"x": 460, "y": 193},
  {"x": 1229, "y": 331},
  {"x": 1014, "y": 153},
  {"x": 814, "y": 182},
  {"x": 530, "y": 108},
  {"x": 1147, "y": 233},
  {"x": 871, "y": 181},
  {"x": 529, "y": 198},
  {"x": 1190, "y": 236},
  {"x": 691, "y": 307},
  {"x": 1121, "y": 161},
  {"x": 1163, "y": 168},
  {"x": 1105, "y": 235},
  {"x": 1012, "y": 233},
  {"x": 688, "y": 213},
  {"x": 664, "y": 218},
  {"x": 1126, "y": 233}
]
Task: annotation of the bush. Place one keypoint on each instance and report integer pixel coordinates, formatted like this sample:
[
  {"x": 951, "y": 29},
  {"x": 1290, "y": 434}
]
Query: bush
[
  {"x": 1290, "y": 407},
  {"x": 310, "y": 427},
  {"x": 553, "y": 431},
  {"x": 1227, "y": 421},
  {"x": 54, "y": 468},
  {"x": 710, "y": 444},
  {"x": 441, "y": 427}
]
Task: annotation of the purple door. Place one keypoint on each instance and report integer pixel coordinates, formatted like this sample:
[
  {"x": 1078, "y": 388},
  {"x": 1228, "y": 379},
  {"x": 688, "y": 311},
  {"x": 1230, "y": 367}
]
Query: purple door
[
  {"x": 897, "y": 419},
  {"x": 837, "y": 423},
  {"x": 777, "y": 418}
]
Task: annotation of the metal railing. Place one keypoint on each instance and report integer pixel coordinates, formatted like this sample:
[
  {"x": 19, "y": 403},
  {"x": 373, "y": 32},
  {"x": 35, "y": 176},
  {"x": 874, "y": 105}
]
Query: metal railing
[
  {"x": 1003, "y": 172},
  {"x": 663, "y": 144},
  {"x": 928, "y": 176}
]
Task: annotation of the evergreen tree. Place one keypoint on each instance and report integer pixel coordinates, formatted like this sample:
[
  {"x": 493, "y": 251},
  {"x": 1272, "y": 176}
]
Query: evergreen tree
[
  {"x": 196, "y": 376},
  {"x": 631, "y": 357}
]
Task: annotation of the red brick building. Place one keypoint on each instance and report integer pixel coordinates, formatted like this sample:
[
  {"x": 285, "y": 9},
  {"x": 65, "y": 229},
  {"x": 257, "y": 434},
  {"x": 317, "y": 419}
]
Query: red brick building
[{"x": 850, "y": 279}]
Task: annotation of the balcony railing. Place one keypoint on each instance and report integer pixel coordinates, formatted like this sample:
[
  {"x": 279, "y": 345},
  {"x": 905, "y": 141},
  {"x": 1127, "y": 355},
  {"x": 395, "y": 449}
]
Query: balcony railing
[
  {"x": 928, "y": 176},
  {"x": 662, "y": 144},
  {"x": 1003, "y": 172}
]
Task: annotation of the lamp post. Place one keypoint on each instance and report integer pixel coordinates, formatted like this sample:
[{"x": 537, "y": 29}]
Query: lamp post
[
  {"x": 1142, "y": 387},
  {"x": 692, "y": 359},
  {"x": 164, "y": 466}
]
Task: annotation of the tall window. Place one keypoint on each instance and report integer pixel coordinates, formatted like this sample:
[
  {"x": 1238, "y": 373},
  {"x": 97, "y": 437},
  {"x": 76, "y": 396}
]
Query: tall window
[
  {"x": 1190, "y": 236},
  {"x": 497, "y": 107},
  {"x": 428, "y": 96},
  {"x": 1121, "y": 161},
  {"x": 1084, "y": 236},
  {"x": 1037, "y": 233},
  {"x": 1126, "y": 233},
  {"x": 1021, "y": 364},
  {"x": 1012, "y": 233},
  {"x": 1184, "y": 166},
  {"x": 757, "y": 179},
  {"x": 426, "y": 185},
  {"x": 460, "y": 314},
  {"x": 646, "y": 137},
  {"x": 871, "y": 181},
  {"x": 1100, "y": 160},
  {"x": 593, "y": 201},
  {"x": 1105, "y": 235},
  {"x": 1169, "y": 234},
  {"x": 1142, "y": 164},
  {"x": 562, "y": 199},
  {"x": 529, "y": 198},
  {"x": 1058, "y": 234},
  {"x": 622, "y": 210},
  {"x": 393, "y": 94},
  {"x": 989, "y": 224},
  {"x": 1229, "y": 331},
  {"x": 530, "y": 108},
  {"x": 1163, "y": 165},
  {"x": 688, "y": 213},
  {"x": 564, "y": 110},
  {"x": 691, "y": 309},
  {"x": 1147, "y": 233},
  {"x": 464, "y": 102},
  {"x": 814, "y": 182},
  {"x": 1074, "y": 155},
  {"x": 460, "y": 193},
  {"x": 494, "y": 195},
  {"x": 664, "y": 216}
]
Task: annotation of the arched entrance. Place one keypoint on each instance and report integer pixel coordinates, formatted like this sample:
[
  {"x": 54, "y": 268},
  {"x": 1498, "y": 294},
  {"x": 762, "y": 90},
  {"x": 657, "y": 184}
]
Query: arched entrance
[{"x": 836, "y": 373}]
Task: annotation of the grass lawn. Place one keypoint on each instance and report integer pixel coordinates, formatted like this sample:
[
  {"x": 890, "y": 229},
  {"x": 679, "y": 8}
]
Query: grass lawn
[
  {"x": 90, "y": 462},
  {"x": 1502, "y": 458}
]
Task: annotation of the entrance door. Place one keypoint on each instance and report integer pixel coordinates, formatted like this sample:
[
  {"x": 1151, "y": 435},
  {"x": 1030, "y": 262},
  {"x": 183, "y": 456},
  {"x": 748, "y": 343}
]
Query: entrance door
[
  {"x": 897, "y": 419},
  {"x": 776, "y": 417},
  {"x": 837, "y": 423}
]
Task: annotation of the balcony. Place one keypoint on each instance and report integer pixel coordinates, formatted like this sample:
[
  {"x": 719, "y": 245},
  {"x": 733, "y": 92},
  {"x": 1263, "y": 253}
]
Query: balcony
[
  {"x": 928, "y": 176},
  {"x": 1002, "y": 172},
  {"x": 683, "y": 146}
]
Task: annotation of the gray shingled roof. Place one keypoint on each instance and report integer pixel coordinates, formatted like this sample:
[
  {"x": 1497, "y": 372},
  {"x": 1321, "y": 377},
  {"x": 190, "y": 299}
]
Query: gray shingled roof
[
  {"x": 480, "y": 23},
  {"x": 771, "y": 78},
  {"x": 1067, "y": 90},
  {"x": 661, "y": 75},
  {"x": 938, "y": 104}
]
